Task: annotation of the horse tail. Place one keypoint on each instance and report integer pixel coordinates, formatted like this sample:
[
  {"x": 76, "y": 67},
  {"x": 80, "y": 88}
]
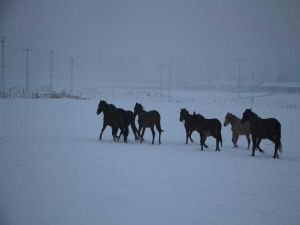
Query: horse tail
[
  {"x": 220, "y": 128},
  {"x": 280, "y": 146},
  {"x": 279, "y": 141},
  {"x": 158, "y": 126}
]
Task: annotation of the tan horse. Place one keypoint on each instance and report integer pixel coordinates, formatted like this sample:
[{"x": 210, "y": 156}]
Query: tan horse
[{"x": 237, "y": 128}]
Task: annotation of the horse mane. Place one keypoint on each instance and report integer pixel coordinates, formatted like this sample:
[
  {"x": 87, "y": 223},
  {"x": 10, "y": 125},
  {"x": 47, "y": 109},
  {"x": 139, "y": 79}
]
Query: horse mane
[
  {"x": 139, "y": 105},
  {"x": 198, "y": 116},
  {"x": 252, "y": 113},
  {"x": 233, "y": 116},
  {"x": 185, "y": 111}
]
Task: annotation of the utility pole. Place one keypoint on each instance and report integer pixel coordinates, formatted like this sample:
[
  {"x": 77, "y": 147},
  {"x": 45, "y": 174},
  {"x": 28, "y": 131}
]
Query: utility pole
[
  {"x": 27, "y": 50},
  {"x": 2, "y": 68},
  {"x": 170, "y": 78},
  {"x": 239, "y": 76},
  {"x": 253, "y": 89},
  {"x": 161, "y": 79},
  {"x": 71, "y": 78},
  {"x": 51, "y": 71}
]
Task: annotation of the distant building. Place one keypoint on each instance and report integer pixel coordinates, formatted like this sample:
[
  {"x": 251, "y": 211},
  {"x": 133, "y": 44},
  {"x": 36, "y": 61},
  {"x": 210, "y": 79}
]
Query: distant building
[{"x": 281, "y": 87}]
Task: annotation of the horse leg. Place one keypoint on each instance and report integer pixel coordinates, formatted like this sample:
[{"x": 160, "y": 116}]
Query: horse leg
[
  {"x": 186, "y": 136},
  {"x": 248, "y": 139},
  {"x": 134, "y": 130},
  {"x": 276, "y": 155},
  {"x": 153, "y": 134},
  {"x": 257, "y": 145},
  {"x": 253, "y": 145},
  {"x": 190, "y": 136},
  {"x": 235, "y": 140},
  {"x": 142, "y": 135},
  {"x": 217, "y": 143},
  {"x": 139, "y": 131},
  {"x": 202, "y": 141},
  {"x": 205, "y": 145},
  {"x": 119, "y": 136},
  {"x": 103, "y": 128},
  {"x": 125, "y": 134},
  {"x": 159, "y": 134},
  {"x": 114, "y": 131}
]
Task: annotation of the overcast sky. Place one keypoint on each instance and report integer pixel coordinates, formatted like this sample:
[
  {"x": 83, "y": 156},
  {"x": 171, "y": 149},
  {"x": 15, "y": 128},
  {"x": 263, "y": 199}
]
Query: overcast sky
[{"x": 118, "y": 39}]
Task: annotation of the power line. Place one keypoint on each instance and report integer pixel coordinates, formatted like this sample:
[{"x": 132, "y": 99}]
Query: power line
[
  {"x": 161, "y": 79},
  {"x": 239, "y": 60},
  {"x": 170, "y": 79},
  {"x": 71, "y": 78},
  {"x": 2, "y": 67},
  {"x": 51, "y": 71},
  {"x": 27, "y": 50}
]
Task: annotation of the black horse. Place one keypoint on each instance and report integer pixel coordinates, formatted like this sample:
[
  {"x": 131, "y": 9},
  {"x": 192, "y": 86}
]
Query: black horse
[
  {"x": 114, "y": 117},
  {"x": 208, "y": 127},
  {"x": 263, "y": 129},
  {"x": 130, "y": 120},
  {"x": 189, "y": 124},
  {"x": 147, "y": 119}
]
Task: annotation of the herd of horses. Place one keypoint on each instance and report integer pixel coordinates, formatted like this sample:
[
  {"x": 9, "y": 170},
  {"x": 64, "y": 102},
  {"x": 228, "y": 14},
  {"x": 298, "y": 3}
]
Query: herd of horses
[{"x": 250, "y": 124}]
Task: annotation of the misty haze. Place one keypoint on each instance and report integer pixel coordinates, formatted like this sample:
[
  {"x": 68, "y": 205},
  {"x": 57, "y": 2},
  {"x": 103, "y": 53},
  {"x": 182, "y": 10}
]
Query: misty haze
[{"x": 127, "y": 41}]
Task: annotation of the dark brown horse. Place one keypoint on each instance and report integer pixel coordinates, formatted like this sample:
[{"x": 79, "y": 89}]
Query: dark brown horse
[
  {"x": 189, "y": 124},
  {"x": 114, "y": 117},
  {"x": 208, "y": 127},
  {"x": 147, "y": 120},
  {"x": 263, "y": 129},
  {"x": 130, "y": 120}
]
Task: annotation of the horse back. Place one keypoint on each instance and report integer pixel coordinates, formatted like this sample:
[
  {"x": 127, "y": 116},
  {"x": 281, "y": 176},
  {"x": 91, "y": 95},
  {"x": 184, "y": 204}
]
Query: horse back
[
  {"x": 273, "y": 124},
  {"x": 149, "y": 118},
  {"x": 266, "y": 128},
  {"x": 210, "y": 126}
]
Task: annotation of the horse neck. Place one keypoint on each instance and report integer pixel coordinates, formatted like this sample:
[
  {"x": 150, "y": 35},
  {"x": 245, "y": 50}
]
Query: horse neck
[
  {"x": 141, "y": 112},
  {"x": 233, "y": 119},
  {"x": 254, "y": 118},
  {"x": 187, "y": 116},
  {"x": 106, "y": 109},
  {"x": 199, "y": 118}
]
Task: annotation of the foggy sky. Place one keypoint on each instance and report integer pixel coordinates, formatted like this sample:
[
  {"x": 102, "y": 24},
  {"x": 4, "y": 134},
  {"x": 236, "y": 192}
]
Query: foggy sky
[{"x": 119, "y": 40}]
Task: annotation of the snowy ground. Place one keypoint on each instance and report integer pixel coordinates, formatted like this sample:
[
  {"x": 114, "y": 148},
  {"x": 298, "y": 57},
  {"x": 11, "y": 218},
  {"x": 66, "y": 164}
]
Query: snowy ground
[{"x": 53, "y": 169}]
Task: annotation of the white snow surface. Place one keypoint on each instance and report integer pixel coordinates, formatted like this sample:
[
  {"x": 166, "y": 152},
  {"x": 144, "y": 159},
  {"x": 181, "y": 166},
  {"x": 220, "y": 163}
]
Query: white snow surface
[{"x": 55, "y": 171}]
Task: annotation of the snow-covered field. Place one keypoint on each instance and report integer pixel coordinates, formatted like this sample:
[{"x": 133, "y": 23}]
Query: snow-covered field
[{"x": 53, "y": 169}]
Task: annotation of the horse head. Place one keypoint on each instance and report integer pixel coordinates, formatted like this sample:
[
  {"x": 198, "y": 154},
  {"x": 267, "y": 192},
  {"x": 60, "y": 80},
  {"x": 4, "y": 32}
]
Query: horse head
[
  {"x": 101, "y": 106},
  {"x": 247, "y": 115},
  {"x": 137, "y": 109},
  {"x": 226, "y": 121},
  {"x": 183, "y": 114}
]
